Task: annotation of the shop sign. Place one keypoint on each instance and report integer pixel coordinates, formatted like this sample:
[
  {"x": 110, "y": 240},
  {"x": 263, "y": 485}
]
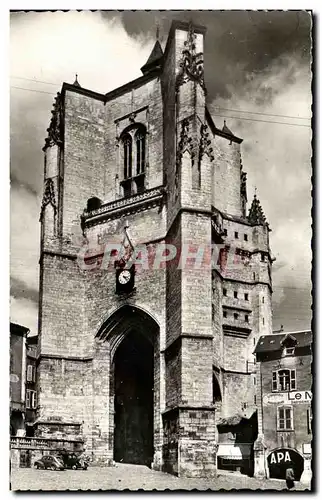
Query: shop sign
[
  {"x": 288, "y": 397},
  {"x": 280, "y": 456},
  {"x": 300, "y": 396},
  {"x": 280, "y": 460}
]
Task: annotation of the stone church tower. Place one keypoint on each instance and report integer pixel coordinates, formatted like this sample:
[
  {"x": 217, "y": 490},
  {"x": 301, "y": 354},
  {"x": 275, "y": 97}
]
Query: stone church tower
[{"x": 145, "y": 363}]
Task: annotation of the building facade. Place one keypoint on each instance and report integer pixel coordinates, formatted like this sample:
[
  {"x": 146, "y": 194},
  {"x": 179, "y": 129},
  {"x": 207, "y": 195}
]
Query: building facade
[
  {"x": 18, "y": 343},
  {"x": 23, "y": 376},
  {"x": 31, "y": 383},
  {"x": 143, "y": 362},
  {"x": 284, "y": 384}
]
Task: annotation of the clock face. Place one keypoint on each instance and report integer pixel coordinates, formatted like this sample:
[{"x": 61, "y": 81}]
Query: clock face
[{"x": 124, "y": 277}]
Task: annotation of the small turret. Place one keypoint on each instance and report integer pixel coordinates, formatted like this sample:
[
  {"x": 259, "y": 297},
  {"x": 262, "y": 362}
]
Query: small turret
[
  {"x": 155, "y": 59},
  {"x": 256, "y": 215}
]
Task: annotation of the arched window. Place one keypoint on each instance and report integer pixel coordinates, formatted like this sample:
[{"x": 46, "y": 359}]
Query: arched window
[
  {"x": 134, "y": 159},
  {"x": 140, "y": 150},
  {"x": 127, "y": 155}
]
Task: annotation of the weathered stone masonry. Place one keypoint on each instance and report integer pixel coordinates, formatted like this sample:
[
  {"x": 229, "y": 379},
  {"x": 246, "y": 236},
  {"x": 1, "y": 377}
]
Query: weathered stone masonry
[{"x": 188, "y": 187}]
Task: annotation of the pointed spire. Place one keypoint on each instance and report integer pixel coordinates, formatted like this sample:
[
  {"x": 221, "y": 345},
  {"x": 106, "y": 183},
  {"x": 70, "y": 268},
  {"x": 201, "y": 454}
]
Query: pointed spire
[
  {"x": 226, "y": 129},
  {"x": 157, "y": 32},
  {"x": 256, "y": 215},
  {"x": 76, "y": 82},
  {"x": 155, "y": 57}
]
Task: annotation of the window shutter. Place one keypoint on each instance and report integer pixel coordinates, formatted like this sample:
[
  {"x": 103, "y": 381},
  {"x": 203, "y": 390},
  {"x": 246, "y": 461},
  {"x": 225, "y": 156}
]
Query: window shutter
[
  {"x": 34, "y": 374},
  {"x": 34, "y": 399},
  {"x": 280, "y": 418},
  {"x": 293, "y": 379},
  {"x": 288, "y": 418},
  {"x": 27, "y": 399},
  {"x": 29, "y": 373},
  {"x": 274, "y": 382},
  {"x": 308, "y": 414}
]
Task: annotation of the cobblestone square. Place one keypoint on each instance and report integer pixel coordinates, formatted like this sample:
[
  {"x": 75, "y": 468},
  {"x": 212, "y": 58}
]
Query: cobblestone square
[{"x": 133, "y": 477}]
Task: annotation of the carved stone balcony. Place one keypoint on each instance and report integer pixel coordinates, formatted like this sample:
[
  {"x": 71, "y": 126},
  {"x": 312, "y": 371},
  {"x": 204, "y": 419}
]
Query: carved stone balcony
[{"x": 125, "y": 206}]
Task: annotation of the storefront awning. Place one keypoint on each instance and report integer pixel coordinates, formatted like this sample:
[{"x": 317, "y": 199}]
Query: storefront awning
[{"x": 234, "y": 452}]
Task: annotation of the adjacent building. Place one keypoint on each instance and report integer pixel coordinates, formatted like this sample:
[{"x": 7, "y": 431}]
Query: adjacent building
[
  {"x": 31, "y": 383},
  {"x": 18, "y": 342},
  {"x": 284, "y": 391},
  {"x": 151, "y": 364},
  {"x": 23, "y": 390}
]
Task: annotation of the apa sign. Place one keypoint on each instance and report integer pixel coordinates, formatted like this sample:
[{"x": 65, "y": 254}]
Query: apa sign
[
  {"x": 280, "y": 456},
  {"x": 281, "y": 459}
]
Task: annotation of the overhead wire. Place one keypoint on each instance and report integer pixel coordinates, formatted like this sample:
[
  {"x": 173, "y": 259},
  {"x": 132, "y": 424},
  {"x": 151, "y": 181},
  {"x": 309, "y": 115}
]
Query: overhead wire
[
  {"x": 215, "y": 114},
  {"x": 216, "y": 107},
  {"x": 262, "y": 114},
  {"x": 263, "y": 121}
]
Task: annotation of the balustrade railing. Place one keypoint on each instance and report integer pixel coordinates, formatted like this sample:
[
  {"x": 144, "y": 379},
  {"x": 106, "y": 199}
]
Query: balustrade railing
[{"x": 20, "y": 442}]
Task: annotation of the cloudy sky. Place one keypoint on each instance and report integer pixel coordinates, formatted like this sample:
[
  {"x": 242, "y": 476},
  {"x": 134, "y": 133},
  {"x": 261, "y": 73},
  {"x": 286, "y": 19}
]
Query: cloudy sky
[{"x": 257, "y": 70}]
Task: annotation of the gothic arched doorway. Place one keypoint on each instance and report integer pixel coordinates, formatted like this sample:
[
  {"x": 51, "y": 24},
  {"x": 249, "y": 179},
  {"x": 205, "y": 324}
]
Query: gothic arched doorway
[
  {"x": 133, "y": 396},
  {"x": 132, "y": 338}
]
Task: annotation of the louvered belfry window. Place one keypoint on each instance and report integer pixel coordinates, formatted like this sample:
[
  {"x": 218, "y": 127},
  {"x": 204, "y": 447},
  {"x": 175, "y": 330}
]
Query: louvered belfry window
[
  {"x": 127, "y": 151},
  {"x": 140, "y": 151}
]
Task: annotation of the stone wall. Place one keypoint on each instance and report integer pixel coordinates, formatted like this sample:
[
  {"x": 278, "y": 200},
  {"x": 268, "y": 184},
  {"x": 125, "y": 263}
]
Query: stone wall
[{"x": 82, "y": 319}]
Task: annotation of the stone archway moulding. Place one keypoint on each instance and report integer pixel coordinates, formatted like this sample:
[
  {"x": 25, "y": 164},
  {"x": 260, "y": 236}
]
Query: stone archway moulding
[{"x": 120, "y": 321}]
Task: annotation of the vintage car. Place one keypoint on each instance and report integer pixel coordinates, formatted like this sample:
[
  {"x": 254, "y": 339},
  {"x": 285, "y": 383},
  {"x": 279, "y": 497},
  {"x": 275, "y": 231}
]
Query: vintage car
[
  {"x": 74, "y": 461},
  {"x": 50, "y": 462}
]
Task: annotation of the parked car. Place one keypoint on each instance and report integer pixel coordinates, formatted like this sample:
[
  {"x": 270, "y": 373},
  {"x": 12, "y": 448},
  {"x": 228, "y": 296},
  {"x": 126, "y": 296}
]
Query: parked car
[
  {"x": 73, "y": 461},
  {"x": 49, "y": 462}
]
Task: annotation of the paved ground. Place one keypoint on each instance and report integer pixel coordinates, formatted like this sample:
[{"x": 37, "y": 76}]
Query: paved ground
[{"x": 131, "y": 477}]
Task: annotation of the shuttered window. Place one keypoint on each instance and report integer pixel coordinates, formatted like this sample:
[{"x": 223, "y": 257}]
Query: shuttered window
[
  {"x": 30, "y": 373},
  {"x": 285, "y": 418}
]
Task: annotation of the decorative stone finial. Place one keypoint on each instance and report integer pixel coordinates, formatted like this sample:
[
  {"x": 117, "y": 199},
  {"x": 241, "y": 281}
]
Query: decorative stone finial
[
  {"x": 226, "y": 129},
  {"x": 54, "y": 130},
  {"x": 256, "y": 215},
  {"x": 48, "y": 197},
  {"x": 191, "y": 64},
  {"x": 76, "y": 82}
]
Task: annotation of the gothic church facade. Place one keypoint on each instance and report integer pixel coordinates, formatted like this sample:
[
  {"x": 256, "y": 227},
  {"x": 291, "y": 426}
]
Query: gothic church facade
[{"x": 146, "y": 375}]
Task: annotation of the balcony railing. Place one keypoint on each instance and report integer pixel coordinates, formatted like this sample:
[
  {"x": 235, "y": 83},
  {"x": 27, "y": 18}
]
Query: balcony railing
[
  {"x": 18, "y": 442},
  {"x": 140, "y": 200}
]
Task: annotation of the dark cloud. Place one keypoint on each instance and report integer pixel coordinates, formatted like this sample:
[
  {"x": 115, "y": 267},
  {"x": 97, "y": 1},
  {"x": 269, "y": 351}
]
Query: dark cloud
[
  {"x": 20, "y": 290},
  {"x": 238, "y": 43},
  {"x": 16, "y": 183}
]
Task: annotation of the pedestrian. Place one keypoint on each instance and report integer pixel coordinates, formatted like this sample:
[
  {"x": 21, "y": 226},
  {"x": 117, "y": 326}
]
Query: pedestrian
[{"x": 289, "y": 477}]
